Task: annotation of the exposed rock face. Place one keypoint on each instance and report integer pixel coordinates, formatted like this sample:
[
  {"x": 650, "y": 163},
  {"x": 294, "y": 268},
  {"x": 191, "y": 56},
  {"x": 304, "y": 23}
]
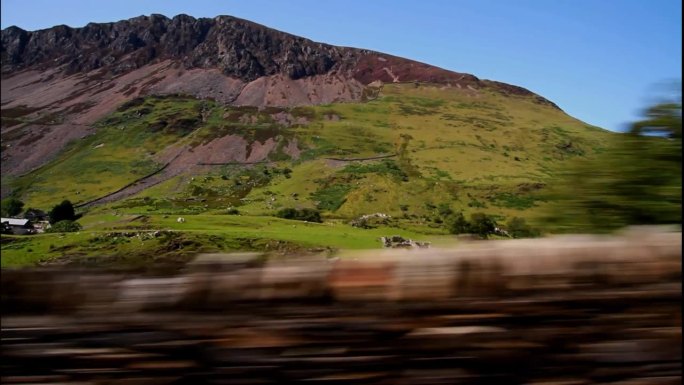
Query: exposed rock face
[
  {"x": 56, "y": 82},
  {"x": 239, "y": 48}
]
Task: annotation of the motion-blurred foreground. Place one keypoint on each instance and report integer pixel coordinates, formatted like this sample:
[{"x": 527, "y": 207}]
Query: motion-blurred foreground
[{"x": 563, "y": 310}]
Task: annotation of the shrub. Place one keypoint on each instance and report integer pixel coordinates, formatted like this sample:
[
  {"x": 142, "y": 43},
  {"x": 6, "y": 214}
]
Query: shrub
[
  {"x": 518, "y": 228},
  {"x": 11, "y": 207},
  {"x": 444, "y": 210},
  {"x": 482, "y": 224},
  {"x": 458, "y": 224},
  {"x": 61, "y": 212},
  {"x": 308, "y": 215},
  {"x": 287, "y": 213},
  {"x": 65, "y": 226}
]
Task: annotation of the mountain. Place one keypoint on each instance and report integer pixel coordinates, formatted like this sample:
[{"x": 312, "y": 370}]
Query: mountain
[
  {"x": 154, "y": 116},
  {"x": 57, "y": 82}
]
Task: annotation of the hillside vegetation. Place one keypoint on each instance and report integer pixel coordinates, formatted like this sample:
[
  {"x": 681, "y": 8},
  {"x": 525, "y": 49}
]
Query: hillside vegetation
[
  {"x": 415, "y": 152},
  {"x": 481, "y": 150}
]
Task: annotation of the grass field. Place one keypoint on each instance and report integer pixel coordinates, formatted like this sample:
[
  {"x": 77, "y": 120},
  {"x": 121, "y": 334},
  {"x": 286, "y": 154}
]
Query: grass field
[{"x": 120, "y": 240}]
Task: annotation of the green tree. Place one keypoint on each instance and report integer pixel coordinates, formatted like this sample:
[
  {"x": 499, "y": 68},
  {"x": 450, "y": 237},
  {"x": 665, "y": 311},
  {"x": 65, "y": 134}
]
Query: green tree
[
  {"x": 62, "y": 212},
  {"x": 518, "y": 228},
  {"x": 11, "y": 207},
  {"x": 287, "y": 213},
  {"x": 444, "y": 210},
  {"x": 308, "y": 215},
  {"x": 637, "y": 180},
  {"x": 482, "y": 224},
  {"x": 458, "y": 224}
]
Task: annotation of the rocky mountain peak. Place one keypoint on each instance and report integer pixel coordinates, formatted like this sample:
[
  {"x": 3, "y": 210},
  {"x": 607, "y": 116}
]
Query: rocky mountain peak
[{"x": 239, "y": 48}]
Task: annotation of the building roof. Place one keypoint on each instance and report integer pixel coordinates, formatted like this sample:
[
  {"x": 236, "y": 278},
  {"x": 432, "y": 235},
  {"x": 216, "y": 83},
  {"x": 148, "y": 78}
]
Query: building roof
[
  {"x": 15, "y": 221},
  {"x": 34, "y": 213}
]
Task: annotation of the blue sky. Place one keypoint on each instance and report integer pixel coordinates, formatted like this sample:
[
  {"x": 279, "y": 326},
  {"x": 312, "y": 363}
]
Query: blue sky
[{"x": 602, "y": 61}]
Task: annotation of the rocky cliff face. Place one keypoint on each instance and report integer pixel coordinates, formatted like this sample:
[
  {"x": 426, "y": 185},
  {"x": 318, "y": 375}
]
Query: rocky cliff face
[
  {"x": 239, "y": 48},
  {"x": 57, "y": 82}
]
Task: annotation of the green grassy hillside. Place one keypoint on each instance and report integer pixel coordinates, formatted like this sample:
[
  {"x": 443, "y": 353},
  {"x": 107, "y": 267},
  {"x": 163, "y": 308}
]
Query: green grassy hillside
[{"x": 446, "y": 148}]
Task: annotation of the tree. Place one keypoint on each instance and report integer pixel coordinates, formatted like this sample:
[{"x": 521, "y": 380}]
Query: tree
[
  {"x": 458, "y": 224},
  {"x": 518, "y": 228},
  {"x": 11, "y": 207},
  {"x": 482, "y": 224},
  {"x": 61, "y": 212},
  {"x": 444, "y": 210},
  {"x": 308, "y": 215},
  {"x": 637, "y": 180},
  {"x": 287, "y": 213}
]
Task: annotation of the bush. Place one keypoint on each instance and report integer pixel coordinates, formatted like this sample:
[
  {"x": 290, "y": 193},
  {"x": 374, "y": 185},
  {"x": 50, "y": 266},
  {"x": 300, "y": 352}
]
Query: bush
[
  {"x": 65, "y": 226},
  {"x": 62, "y": 212},
  {"x": 458, "y": 224},
  {"x": 518, "y": 228},
  {"x": 308, "y": 215},
  {"x": 444, "y": 210},
  {"x": 11, "y": 207},
  {"x": 288, "y": 213},
  {"x": 480, "y": 224}
]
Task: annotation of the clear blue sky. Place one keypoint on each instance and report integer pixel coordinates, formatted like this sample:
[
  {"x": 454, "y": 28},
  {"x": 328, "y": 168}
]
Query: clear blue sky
[{"x": 599, "y": 60}]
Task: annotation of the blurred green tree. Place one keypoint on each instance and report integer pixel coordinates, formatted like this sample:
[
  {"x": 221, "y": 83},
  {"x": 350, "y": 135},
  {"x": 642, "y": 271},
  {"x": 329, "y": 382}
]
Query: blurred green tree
[
  {"x": 636, "y": 181},
  {"x": 518, "y": 228},
  {"x": 482, "y": 224},
  {"x": 11, "y": 207},
  {"x": 457, "y": 224}
]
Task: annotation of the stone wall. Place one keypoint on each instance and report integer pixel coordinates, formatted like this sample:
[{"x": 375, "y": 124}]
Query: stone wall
[{"x": 564, "y": 310}]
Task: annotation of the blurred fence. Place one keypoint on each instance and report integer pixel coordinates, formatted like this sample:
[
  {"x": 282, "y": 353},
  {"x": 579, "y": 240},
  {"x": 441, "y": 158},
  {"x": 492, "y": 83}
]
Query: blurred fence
[{"x": 561, "y": 310}]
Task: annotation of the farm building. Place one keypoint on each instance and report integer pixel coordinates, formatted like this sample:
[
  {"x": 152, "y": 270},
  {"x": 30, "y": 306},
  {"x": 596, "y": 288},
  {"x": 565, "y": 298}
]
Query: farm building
[
  {"x": 35, "y": 215},
  {"x": 18, "y": 226}
]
